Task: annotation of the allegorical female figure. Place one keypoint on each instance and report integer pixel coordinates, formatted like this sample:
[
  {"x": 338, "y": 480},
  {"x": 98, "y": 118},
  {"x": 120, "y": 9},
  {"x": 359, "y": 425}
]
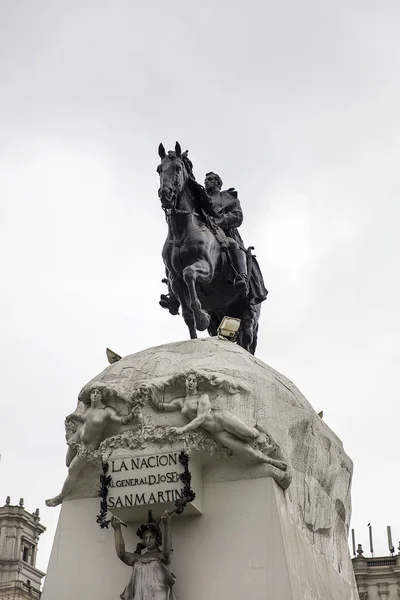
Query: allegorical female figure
[
  {"x": 91, "y": 433},
  {"x": 151, "y": 579},
  {"x": 227, "y": 428}
]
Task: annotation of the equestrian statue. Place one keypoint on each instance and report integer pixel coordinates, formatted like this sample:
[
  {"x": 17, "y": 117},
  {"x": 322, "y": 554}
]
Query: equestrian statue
[{"x": 209, "y": 272}]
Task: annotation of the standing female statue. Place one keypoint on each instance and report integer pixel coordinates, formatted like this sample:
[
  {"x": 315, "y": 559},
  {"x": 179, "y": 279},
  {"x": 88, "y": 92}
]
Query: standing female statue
[
  {"x": 224, "y": 426},
  {"x": 91, "y": 433},
  {"x": 151, "y": 578}
]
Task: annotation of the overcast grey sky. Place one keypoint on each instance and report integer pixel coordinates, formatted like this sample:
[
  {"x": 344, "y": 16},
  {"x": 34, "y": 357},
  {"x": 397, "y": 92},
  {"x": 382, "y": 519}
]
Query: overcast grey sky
[{"x": 296, "y": 104}]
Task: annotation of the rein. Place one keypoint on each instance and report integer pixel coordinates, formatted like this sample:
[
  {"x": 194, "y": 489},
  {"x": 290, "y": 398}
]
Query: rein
[
  {"x": 172, "y": 213},
  {"x": 183, "y": 212},
  {"x": 171, "y": 210}
]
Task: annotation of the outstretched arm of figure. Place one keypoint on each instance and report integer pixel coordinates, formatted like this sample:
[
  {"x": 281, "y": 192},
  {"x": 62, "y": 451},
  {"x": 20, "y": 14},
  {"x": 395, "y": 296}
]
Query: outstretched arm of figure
[
  {"x": 203, "y": 409},
  {"x": 127, "y": 557},
  {"x": 116, "y": 418},
  {"x": 166, "y": 537},
  {"x": 74, "y": 417},
  {"x": 171, "y": 406}
]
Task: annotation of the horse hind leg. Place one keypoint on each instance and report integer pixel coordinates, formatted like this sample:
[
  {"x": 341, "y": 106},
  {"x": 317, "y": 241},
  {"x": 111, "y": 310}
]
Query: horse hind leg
[
  {"x": 197, "y": 272},
  {"x": 248, "y": 331},
  {"x": 253, "y": 345},
  {"x": 256, "y": 317},
  {"x": 214, "y": 324}
]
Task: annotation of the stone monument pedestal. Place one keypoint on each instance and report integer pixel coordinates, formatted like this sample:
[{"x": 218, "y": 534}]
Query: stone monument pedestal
[
  {"x": 243, "y": 546},
  {"x": 262, "y": 531}
]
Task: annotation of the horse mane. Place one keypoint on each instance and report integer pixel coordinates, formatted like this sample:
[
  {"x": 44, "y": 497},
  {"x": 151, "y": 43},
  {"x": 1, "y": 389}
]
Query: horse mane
[{"x": 204, "y": 205}]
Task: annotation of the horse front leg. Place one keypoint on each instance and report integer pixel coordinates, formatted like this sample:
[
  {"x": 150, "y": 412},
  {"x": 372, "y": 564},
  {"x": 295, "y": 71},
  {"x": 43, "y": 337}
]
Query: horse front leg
[
  {"x": 199, "y": 271},
  {"x": 178, "y": 288}
]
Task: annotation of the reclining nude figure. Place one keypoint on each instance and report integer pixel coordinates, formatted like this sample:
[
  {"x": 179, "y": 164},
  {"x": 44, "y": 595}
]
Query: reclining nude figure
[
  {"x": 91, "y": 433},
  {"x": 223, "y": 425}
]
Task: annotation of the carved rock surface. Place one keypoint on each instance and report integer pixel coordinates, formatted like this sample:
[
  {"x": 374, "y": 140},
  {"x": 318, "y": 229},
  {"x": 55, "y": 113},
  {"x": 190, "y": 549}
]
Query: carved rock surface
[{"x": 318, "y": 498}]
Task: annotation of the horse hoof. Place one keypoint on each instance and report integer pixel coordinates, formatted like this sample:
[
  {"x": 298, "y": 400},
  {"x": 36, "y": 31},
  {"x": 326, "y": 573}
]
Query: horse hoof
[{"x": 202, "y": 321}]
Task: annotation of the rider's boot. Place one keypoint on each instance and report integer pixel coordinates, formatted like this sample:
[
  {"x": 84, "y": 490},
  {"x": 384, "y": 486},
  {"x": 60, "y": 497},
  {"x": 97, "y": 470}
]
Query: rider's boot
[{"x": 239, "y": 264}]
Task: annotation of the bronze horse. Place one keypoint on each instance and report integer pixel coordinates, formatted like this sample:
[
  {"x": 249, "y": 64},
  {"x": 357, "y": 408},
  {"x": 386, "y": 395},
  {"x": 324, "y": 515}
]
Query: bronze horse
[{"x": 199, "y": 274}]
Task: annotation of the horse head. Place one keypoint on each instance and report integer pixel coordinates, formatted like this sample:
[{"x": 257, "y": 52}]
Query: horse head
[{"x": 174, "y": 170}]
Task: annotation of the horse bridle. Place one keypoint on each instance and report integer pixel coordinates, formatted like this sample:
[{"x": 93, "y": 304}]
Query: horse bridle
[{"x": 170, "y": 206}]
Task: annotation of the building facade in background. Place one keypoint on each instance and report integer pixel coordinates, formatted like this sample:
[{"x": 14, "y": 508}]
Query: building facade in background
[
  {"x": 378, "y": 578},
  {"x": 19, "y": 536}
]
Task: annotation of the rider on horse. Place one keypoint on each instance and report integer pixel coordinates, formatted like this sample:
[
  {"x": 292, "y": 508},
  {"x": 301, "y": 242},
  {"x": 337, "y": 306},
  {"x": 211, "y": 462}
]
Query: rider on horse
[
  {"x": 247, "y": 271},
  {"x": 223, "y": 214}
]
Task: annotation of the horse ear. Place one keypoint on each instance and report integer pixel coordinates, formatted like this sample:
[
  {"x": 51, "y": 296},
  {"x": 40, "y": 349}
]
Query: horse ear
[
  {"x": 178, "y": 149},
  {"x": 161, "y": 151},
  {"x": 185, "y": 154}
]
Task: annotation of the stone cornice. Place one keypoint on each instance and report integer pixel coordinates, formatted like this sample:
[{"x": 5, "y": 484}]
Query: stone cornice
[{"x": 25, "y": 565}]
